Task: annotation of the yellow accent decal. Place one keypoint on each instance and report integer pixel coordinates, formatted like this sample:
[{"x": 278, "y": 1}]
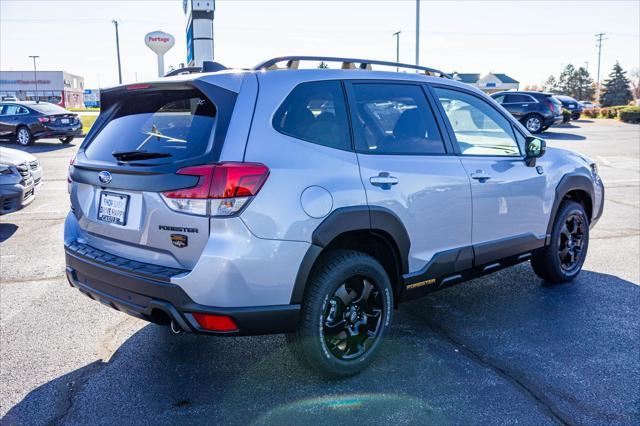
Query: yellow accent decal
[{"x": 421, "y": 284}]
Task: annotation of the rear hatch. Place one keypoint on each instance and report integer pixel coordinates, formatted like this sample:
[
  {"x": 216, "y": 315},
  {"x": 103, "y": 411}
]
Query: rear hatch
[{"x": 144, "y": 135}]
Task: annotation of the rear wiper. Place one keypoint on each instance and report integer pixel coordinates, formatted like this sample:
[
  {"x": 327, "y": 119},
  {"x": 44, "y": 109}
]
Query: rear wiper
[{"x": 138, "y": 155}]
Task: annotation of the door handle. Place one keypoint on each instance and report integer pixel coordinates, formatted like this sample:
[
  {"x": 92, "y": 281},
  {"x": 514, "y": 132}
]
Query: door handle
[
  {"x": 480, "y": 176},
  {"x": 384, "y": 180}
]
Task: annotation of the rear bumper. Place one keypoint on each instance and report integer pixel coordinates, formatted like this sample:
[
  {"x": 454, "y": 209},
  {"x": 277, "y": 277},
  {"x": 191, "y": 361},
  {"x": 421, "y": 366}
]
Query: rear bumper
[
  {"x": 145, "y": 291},
  {"x": 47, "y": 132}
]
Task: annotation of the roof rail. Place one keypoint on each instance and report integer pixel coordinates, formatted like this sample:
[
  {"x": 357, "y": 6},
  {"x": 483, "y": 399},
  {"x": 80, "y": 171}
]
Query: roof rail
[
  {"x": 347, "y": 63},
  {"x": 207, "y": 66}
]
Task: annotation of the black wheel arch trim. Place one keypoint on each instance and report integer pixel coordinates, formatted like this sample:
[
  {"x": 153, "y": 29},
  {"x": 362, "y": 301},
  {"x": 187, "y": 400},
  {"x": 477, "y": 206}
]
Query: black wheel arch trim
[
  {"x": 572, "y": 182},
  {"x": 349, "y": 219}
]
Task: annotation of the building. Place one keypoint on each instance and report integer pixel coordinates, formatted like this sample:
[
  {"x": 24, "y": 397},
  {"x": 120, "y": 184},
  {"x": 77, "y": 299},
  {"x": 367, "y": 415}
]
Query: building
[
  {"x": 58, "y": 87},
  {"x": 490, "y": 83}
]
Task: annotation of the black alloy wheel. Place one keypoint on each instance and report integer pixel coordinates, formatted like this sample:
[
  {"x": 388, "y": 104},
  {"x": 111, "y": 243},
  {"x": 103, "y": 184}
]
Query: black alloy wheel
[
  {"x": 571, "y": 242},
  {"x": 352, "y": 318}
]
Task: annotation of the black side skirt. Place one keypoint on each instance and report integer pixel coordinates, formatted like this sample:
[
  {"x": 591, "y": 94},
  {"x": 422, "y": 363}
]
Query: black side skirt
[{"x": 462, "y": 264}]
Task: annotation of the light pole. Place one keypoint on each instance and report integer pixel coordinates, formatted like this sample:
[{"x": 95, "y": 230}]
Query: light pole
[
  {"x": 115, "y": 22},
  {"x": 397, "y": 36},
  {"x": 35, "y": 75},
  {"x": 417, "y": 32}
]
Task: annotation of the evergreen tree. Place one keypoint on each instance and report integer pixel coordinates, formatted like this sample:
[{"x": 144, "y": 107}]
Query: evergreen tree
[
  {"x": 551, "y": 85},
  {"x": 567, "y": 82},
  {"x": 323, "y": 65},
  {"x": 584, "y": 88},
  {"x": 616, "y": 88}
]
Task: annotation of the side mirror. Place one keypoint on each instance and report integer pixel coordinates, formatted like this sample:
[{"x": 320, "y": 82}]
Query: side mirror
[{"x": 534, "y": 148}]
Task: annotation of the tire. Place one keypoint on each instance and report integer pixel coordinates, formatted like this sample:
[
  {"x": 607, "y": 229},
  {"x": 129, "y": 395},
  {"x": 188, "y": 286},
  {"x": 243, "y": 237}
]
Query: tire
[
  {"x": 575, "y": 117},
  {"x": 66, "y": 139},
  {"x": 534, "y": 123},
  {"x": 570, "y": 235},
  {"x": 24, "y": 136},
  {"x": 348, "y": 291}
]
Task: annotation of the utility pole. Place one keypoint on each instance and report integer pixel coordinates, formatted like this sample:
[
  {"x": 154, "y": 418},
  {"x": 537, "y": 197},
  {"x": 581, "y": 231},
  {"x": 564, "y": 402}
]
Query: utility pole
[
  {"x": 35, "y": 75},
  {"x": 599, "y": 40},
  {"x": 397, "y": 36},
  {"x": 417, "y": 32},
  {"x": 116, "y": 22},
  {"x": 587, "y": 64}
]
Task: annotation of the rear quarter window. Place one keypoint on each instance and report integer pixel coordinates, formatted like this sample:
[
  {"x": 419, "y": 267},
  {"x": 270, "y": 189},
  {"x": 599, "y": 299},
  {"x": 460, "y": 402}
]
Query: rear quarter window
[
  {"x": 178, "y": 123},
  {"x": 315, "y": 112}
]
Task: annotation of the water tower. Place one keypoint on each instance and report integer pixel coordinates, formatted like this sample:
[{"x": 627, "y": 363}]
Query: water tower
[{"x": 160, "y": 42}]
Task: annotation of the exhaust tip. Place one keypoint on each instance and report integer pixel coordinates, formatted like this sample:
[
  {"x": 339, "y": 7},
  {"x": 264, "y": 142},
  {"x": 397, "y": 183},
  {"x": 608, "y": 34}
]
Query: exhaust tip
[{"x": 175, "y": 327}]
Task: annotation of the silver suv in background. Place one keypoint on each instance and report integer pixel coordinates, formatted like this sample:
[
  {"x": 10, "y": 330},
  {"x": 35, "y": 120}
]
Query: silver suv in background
[
  {"x": 312, "y": 201},
  {"x": 20, "y": 177}
]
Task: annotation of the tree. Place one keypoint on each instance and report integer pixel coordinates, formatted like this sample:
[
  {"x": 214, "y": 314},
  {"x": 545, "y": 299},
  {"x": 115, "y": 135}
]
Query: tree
[
  {"x": 616, "y": 88},
  {"x": 323, "y": 65},
  {"x": 551, "y": 85},
  {"x": 584, "y": 87},
  {"x": 567, "y": 81}
]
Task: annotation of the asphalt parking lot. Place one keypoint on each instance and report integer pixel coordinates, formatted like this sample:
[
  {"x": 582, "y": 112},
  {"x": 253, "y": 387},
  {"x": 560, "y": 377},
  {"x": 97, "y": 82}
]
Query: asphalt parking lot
[{"x": 500, "y": 349}]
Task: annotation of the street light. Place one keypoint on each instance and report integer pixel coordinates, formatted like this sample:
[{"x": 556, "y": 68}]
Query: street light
[
  {"x": 35, "y": 75},
  {"x": 397, "y": 36},
  {"x": 116, "y": 22},
  {"x": 417, "y": 32}
]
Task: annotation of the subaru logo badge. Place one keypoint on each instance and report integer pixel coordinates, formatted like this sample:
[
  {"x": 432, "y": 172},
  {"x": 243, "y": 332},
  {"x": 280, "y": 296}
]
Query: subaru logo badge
[{"x": 105, "y": 177}]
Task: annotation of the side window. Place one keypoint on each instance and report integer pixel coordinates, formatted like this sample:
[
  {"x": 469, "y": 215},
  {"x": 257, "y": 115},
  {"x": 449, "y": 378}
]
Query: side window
[
  {"x": 10, "y": 110},
  {"x": 499, "y": 99},
  {"x": 22, "y": 110},
  {"x": 517, "y": 99},
  {"x": 479, "y": 128},
  {"x": 315, "y": 112},
  {"x": 394, "y": 119}
]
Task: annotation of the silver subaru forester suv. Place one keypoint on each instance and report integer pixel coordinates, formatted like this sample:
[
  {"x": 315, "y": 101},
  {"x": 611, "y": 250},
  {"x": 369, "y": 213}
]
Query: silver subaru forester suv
[{"x": 312, "y": 201}]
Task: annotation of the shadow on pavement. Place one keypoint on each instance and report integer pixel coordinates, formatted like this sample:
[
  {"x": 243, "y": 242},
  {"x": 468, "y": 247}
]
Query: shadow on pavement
[
  {"x": 6, "y": 230},
  {"x": 562, "y": 136},
  {"x": 500, "y": 349},
  {"x": 47, "y": 145}
]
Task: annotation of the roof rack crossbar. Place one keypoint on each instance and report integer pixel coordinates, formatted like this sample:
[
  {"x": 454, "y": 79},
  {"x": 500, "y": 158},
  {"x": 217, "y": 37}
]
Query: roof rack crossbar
[{"x": 346, "y": 63}]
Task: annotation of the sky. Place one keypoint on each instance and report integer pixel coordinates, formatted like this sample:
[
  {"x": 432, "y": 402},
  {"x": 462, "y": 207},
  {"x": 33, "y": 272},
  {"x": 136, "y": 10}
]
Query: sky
[{"x": 528, "y": 40}]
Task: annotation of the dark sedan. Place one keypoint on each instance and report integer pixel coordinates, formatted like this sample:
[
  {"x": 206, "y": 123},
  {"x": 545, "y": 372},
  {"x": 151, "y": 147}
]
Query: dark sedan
[
  {"x": 25, "y": 122},
  {"x": 570, "y": 104}
]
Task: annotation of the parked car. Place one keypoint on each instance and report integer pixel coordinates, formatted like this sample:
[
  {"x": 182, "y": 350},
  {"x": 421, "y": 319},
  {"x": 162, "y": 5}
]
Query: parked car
[
  {"x": 20, "y": 177},
  {"x": 27, "y": 121},
  {"x": 316, "y": 207},
  {"x": 587, "y": 104},
  {"x": 570, "y": 105},
  {"x": 9, "y": 99},
  {"x": 537, "y": 111}
]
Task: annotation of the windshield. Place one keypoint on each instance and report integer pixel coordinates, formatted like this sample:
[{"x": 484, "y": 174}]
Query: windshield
[
  {"x": 177, "y": 123},
  {"x": 47, "y": 108}
]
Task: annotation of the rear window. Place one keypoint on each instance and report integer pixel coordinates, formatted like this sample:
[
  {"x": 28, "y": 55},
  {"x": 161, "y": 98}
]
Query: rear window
[
  {"x": 46, "y": 108},
  {"x": 178, "y": 123}
]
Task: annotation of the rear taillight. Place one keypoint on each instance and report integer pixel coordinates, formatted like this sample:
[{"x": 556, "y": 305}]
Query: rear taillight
[
  {"x": 222, "y": 189},
  {"x": 71, "y": 161},
  {"x": 551, "y": 105},
  {"x": 44, "y": 119}
]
